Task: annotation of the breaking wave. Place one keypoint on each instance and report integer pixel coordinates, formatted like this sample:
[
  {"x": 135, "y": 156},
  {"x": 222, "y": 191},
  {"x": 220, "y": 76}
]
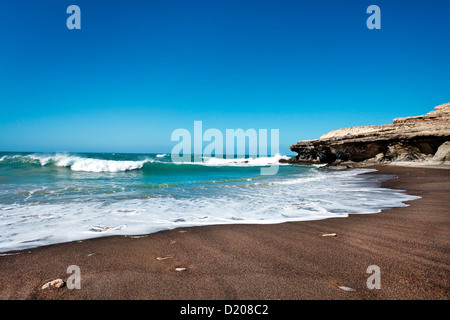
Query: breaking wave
[
  {"x": 261, "y": 161},
  {"x": 87, "y": 164},
  {"x": 76, "y": 163}
]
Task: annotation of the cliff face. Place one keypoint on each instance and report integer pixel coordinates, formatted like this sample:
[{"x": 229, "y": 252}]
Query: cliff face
[{"x": 420, "y": 138}]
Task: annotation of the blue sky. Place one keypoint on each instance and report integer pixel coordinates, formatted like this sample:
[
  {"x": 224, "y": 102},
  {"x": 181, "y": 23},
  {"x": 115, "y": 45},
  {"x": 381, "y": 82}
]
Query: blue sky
[{"x": 138, "y": 70}]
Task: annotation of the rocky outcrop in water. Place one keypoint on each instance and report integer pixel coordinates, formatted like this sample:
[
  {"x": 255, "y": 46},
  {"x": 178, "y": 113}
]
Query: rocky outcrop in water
[{"x": 414, "y": 139}]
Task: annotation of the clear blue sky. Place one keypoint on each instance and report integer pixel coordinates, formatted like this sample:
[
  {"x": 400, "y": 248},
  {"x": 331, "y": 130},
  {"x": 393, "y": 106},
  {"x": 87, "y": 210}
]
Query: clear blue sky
[{"x": 137, "y": 70}]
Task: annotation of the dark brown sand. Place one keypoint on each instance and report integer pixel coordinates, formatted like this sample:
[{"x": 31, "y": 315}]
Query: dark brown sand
[{"x": 283, "y": 261}]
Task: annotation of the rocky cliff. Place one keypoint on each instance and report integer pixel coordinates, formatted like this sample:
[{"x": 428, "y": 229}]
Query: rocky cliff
[{"x": 420, "y": 139}]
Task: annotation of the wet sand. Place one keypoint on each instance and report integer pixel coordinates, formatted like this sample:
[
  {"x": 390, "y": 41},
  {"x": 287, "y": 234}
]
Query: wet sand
[{"x": 410, "y": 245}]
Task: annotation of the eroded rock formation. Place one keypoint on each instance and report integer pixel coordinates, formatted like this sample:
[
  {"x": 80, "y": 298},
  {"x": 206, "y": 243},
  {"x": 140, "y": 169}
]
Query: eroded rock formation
[{"x": 420, "y": 138}]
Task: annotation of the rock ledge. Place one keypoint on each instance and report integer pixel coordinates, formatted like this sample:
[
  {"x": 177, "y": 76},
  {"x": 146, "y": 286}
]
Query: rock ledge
[{"x": 413, "y": 139}]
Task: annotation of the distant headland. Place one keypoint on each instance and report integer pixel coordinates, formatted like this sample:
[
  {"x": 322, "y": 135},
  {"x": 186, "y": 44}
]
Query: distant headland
[{"x": 419, "y": 140}]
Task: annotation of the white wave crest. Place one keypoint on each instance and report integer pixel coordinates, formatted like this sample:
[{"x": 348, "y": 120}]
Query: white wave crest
[
  {"x": 77, "y": 163},
  {"x": 251, "y": 162}
]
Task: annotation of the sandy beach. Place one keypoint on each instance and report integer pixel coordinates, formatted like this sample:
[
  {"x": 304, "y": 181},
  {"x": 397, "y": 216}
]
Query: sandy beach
[{"x": 282, "y": 261}]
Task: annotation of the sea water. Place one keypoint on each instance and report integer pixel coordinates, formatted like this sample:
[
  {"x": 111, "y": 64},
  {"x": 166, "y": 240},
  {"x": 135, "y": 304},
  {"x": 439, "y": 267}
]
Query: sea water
[{"x": 54, "y": 198}]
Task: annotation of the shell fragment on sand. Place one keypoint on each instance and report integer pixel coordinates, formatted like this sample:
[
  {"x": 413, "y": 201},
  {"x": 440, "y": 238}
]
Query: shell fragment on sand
[
  {"x": 170, "y": 256},
  {"x": 180, "y": 269},
  {"x": 329, "y": 234},
  {"x": 57, "y": 283},
  {"x": 346, "y": 288}
]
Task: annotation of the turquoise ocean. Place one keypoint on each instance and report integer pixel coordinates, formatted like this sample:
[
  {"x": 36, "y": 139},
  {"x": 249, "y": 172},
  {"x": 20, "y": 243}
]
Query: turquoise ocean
[{"x": 48, "y": 198}]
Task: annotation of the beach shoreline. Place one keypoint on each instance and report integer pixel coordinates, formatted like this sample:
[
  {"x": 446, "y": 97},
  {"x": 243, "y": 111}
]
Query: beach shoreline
[{"x": 288, "y": 261}]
